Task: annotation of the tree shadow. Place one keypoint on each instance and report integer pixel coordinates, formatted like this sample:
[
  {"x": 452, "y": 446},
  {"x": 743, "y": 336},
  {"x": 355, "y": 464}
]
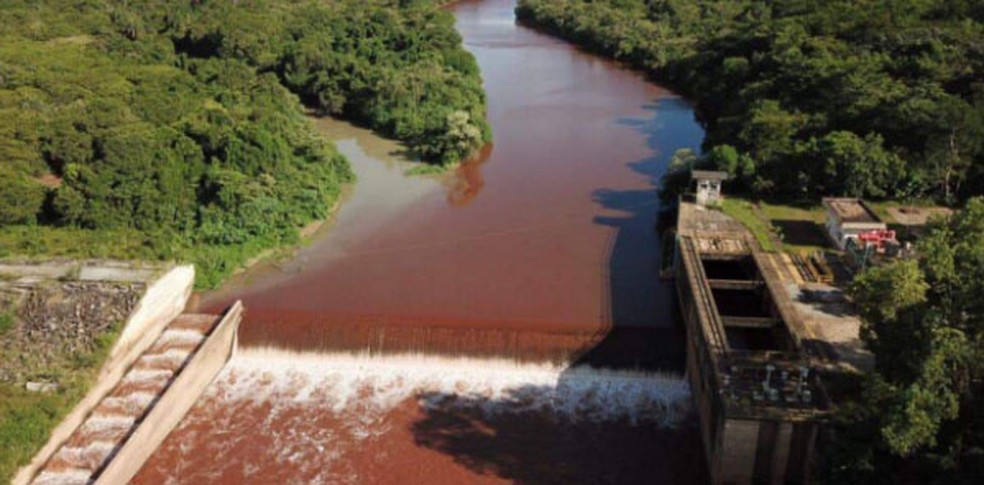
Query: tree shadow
[
  {"x": 644, "y": 331},
  {"x": 801, "y": 233},
  {"x": 543, "y": 447},
  {"x": 642, "y": 335}
]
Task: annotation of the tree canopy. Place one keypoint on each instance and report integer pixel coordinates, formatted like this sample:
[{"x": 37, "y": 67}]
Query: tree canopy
[
  {"x": 183, "y": 121},
  {"x": 862, "y": 98},
  {"x": 842, "y": 97},
  {"x": 920, "y": 414}
]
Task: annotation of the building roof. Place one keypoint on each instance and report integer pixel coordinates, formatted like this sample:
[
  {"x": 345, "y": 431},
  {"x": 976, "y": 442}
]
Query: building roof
[
  {"x": 851, "y": 210},
  {"x": 708, "y": 175}
]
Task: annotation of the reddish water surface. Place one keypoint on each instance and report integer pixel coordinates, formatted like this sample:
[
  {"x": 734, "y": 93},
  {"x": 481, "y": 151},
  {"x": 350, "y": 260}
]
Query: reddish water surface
[
  {"x": 552, "y": 232},
  {"x": 543, "y": 252}
]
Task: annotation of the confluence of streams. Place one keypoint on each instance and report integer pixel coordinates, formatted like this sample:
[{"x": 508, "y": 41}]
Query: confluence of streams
[{"x": 503, "y": 324}]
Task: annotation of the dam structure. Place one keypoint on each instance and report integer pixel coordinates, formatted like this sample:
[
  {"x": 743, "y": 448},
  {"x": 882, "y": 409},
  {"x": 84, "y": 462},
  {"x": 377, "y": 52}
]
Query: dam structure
[
  {"x": 161, "y": 362},
  {"x": 752, "y": 360}
]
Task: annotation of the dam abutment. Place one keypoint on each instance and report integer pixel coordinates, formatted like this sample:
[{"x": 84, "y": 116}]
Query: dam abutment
[
  {"x": 161, "y": 362},
  {"x": 171, "y": 406}
]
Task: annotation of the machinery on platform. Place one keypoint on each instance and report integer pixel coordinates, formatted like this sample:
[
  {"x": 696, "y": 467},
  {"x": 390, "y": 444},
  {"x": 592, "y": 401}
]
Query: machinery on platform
[{"x": 863, "y": 247}]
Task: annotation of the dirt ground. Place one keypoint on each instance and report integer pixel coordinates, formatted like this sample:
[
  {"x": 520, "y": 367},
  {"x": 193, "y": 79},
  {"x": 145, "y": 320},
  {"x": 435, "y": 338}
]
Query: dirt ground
[{"x": 917, "y": 216}]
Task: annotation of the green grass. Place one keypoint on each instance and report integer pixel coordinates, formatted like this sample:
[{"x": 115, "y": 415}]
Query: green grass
[
  {"x": 788, "y": 212},
  {"x": 743, "y": 211},
  {"x": 428, "y": 169},
  {"x": 27, "y": 418},
  {"x": 799, "y": 227},
  {"x": 6, "y": 322},
  {"x": 881, "y": 208},
  {"x": 213, "y": 263},
  {"x": 65, "y": 242}
]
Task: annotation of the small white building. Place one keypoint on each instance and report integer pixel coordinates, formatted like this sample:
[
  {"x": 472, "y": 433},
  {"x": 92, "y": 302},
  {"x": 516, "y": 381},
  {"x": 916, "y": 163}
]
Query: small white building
[
  {"x": 850, "y": 218},
  {"x": 708, "y": 186}
]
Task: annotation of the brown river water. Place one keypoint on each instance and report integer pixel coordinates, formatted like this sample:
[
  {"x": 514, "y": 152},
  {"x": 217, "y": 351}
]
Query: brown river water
[{"x": 502, "y": 323}]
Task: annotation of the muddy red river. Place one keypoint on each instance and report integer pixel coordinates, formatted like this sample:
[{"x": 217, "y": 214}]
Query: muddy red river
[{"x": 503, "y": 323}]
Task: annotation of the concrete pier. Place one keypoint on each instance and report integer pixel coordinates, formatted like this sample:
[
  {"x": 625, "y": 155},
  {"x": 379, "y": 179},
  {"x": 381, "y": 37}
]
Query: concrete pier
[{"x": 750, "y": 355}]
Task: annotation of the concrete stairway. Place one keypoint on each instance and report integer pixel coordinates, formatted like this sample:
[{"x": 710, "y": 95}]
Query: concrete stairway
[{"x": 94, "y": 444}]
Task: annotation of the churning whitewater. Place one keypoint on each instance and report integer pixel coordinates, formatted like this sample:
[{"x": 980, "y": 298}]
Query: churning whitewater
[
  {"x": 313, "y": 411},
  {"x": 371, "y": 385}
]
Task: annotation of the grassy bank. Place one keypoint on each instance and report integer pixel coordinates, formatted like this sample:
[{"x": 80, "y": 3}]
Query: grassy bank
[
  {"x": 27, "y": 418},
  {"x": 795, "y": 229}
]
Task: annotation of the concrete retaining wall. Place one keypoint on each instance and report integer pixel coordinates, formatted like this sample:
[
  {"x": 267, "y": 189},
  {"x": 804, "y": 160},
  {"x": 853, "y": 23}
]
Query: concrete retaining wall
[
  {"x": 175, "y": 402},
  {"x": 164, "y": 300},
  {"x": 117, "y": 271}
]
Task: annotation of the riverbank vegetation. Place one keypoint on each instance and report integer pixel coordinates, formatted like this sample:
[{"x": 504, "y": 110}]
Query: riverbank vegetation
[
  {"x": 883, "y": 100},
  {"x": 919, "y": 419},
  {"x": 803, "y": 99},
  {"x": 176, "y": 130}
]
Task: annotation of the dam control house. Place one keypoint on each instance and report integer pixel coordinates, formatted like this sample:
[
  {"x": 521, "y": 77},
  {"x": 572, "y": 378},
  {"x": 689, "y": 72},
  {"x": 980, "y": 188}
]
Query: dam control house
[{"x": 754, "y": 385}]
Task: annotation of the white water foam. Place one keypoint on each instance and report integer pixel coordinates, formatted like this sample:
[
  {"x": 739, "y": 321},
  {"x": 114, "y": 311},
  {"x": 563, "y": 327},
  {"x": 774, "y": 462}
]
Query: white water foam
[
  {"x": 90, "y": 456},
  {"x": 377, "y": 384},
  {"x": 171, "y": 359},
  {"x": 147, "y": 376},
  {"x": 185, "y": 337},
  {"x": 134, "y": 402},
  {"x": 67, "y": 477},
  {"x": 108, "y": 422},
  {"x": 284, "y": 417}
]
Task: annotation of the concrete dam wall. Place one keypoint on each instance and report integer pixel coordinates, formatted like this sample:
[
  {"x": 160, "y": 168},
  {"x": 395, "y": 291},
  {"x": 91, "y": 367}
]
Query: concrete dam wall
[{"x": 160, "y": 364}]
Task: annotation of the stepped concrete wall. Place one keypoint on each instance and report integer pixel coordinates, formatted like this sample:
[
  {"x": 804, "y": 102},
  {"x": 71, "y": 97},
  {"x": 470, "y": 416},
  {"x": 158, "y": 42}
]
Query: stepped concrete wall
[
  {"x": 175, "y": 402},
  {"x": 168, "y": 290}
]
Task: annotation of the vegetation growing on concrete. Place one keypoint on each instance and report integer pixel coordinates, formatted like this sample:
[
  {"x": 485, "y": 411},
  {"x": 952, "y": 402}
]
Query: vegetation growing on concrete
[
  {"x": 744, "y": 212},
  {"x": 178, "y": 126}
]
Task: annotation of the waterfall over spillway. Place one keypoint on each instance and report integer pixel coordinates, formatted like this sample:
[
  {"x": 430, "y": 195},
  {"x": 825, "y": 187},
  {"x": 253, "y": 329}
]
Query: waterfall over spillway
[
  {"x": 306, "y": 417},
  {"x": 346, "y": 381}
]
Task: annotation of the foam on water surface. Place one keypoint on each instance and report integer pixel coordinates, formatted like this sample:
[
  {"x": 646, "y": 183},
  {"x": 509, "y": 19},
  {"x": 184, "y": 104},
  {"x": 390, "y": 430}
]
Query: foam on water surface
[
  {"x": 134, "y": 402},
  {"x": 169, "y": 360},
  {"x": 89, "y": 457},
  {"x": 344, "y": 381},
  {"x": 275, "y": 416},
  {"x": 147, "y": 376},
  {"x": 181, "y": 337},
  {"x": 107, "y": 422},
  {"x": 67, "y": 477}
]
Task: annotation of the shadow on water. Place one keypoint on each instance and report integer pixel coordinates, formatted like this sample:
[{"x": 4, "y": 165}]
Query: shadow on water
[
  {"x": 542, "y": 448},
  {"x": 644, "y": 331},
  {"x": 643, "y": 334}
]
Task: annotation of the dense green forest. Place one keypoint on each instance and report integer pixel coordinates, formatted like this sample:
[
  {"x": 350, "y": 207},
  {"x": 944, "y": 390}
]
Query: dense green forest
[
  {"x": 872, "y": 98},
  {"x": 920, "y": 417},
  {"x": 176, "y": 129},
  {"x": 875, "y": 98}
]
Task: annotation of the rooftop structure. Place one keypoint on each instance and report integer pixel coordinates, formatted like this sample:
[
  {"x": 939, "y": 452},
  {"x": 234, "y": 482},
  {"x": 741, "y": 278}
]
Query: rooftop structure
[
  {"x": 849, "y": 218},
  {"x": 708, "y": 191},
  {"x": 850, "y": 210}
]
